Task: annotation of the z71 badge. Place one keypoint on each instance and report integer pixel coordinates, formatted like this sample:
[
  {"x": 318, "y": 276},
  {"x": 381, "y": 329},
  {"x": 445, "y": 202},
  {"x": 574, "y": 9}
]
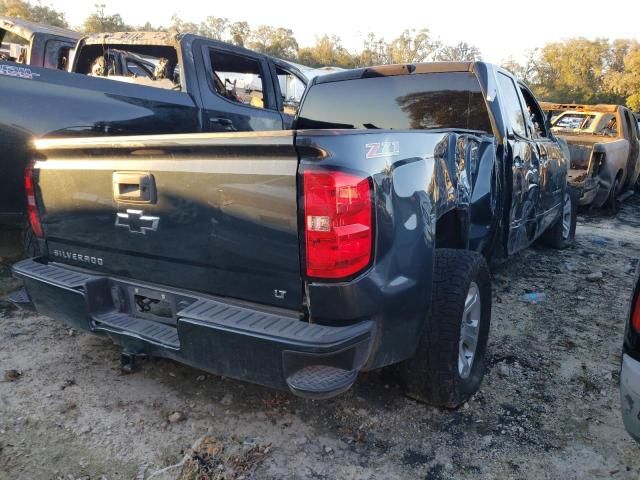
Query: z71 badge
[{"x": 382, "y": 149}]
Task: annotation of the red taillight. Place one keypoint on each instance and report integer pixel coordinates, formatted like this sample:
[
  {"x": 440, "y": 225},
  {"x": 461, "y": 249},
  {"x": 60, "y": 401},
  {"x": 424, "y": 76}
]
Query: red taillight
[
  {"x": 338, "y": 224},
  {"x": 635, "y": 315},
  {"x": 32, "y": 209}
]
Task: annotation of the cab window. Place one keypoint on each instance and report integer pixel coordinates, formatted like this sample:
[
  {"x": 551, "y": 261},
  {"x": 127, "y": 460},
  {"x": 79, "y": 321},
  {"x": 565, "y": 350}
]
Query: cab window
[
  {"x": 237, "y": 78},
  {"x": 291, "y": 90},
  {"x": 512, "y": 106},
  {"x": 536, "y": 116}
]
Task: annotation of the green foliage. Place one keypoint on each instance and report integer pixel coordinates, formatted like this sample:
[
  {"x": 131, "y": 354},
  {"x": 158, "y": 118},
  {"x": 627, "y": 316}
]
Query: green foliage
[
  {"x": 239, "y": 32},
  {"x": 279, "y": 42},
  {"x": 99, "y": 22},
  {"x": 412, "y": 46},
  {"x": 327, "y": 51},
  {"x": 33, "y": 12},
  {"x": 461, "y": 52},
  {"x": 579, "y": 70}
]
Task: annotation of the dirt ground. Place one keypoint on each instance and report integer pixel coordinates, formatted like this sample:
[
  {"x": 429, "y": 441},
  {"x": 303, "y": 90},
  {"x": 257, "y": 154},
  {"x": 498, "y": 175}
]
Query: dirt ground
[{"x": 548, "y": 408}]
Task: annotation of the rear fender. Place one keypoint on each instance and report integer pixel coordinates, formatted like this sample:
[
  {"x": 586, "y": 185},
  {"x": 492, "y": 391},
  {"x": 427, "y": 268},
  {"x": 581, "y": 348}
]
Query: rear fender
[{"x": 426, "y": 175}]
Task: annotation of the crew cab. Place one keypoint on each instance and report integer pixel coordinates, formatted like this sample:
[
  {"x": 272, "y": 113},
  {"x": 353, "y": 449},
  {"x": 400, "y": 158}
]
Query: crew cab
[
  {"x": 139, "y": 83},
  {"x": 34, "y": 44},
  {"x": 297, "y": 259},
  {"x": 604, "y": 148}
]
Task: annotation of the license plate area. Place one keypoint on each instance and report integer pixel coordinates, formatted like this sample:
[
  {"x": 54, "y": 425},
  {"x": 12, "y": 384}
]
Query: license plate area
[{"x": 152, "y": 304}]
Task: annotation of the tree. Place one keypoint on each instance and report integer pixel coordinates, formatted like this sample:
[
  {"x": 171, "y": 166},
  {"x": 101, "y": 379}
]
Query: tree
[
  {"x": 327, "y": 51},
  {"x": 180, "y": 26},
  {"x": 412, "y": 47},
  {"x": 626, "y": 82},
  {"x": 278, "y": 42},
  {"x": 574, "y": 71},
  {"x": 216, "y": 27},
  {"x": 374, "y": 51},
  {"x": 99, "y": 21},
  {"x": 460, "y": 52},
  {"x": 36, "y": 13},
  {"x": 239, "y": 32},
  {"x": 527, "y": 71}
]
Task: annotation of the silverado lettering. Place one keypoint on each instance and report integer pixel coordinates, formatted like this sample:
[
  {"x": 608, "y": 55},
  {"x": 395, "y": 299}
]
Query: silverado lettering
[{"x": 67, "y": 255}]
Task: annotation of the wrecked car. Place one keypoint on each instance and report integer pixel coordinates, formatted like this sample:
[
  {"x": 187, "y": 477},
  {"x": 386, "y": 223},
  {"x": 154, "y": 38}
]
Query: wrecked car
[
  {"x": 604, "y": 147},
  {"x": 139, "y": 83},
  {"x": 297, "y": 259},
  {"x": 34, "y": 44}
]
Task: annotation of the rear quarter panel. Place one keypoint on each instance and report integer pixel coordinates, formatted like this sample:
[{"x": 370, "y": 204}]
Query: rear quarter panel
[{"x": 427, "y": 175}]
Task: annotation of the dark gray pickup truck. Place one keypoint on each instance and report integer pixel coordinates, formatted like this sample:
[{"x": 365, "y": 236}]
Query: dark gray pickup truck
[
  {"x": 139, "y": 83},
  {"x": 297, "y": 259},
  {"x": 30, "y": 43}
]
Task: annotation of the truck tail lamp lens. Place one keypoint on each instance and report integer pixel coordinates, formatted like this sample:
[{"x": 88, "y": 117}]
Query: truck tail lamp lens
[
  {"x": 32, "y": 208},
  {"x": 338, "y": 224},
  {"x": 635, "y": 314}
]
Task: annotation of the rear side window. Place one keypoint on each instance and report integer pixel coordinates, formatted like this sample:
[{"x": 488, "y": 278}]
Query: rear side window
[
  {"x": 512, "y": 105},
  {"x": 631, "y": 125},
  {"x": 291, "y": 89},
  {"x": 237, "y": 78},
  {"x": 419, "y": 101}
]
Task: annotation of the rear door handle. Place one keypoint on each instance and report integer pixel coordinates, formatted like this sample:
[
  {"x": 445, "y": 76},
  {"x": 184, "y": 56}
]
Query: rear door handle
[{"x": 134, "y": 187}]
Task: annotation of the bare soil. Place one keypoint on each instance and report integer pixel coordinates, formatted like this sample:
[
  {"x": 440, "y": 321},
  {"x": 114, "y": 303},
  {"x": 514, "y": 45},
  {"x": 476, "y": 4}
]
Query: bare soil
[{"x": 548, "y": 408}]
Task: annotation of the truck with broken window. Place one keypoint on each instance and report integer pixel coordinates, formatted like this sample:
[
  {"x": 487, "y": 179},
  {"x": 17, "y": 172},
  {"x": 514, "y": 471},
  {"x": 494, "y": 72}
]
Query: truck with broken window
[
  {"x": 30, "y": 43},
  {"x": 604, "y": 146},
  {"x": 139, "y": 83},
  {"x": 297, "y": 259}
]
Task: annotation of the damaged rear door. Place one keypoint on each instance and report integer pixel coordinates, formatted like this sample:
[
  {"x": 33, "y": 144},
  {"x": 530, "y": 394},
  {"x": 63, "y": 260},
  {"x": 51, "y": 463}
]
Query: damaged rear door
[{"x": 525, "y": 196}]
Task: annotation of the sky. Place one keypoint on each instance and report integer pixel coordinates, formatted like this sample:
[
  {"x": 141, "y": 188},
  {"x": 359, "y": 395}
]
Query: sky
[{"x": 499, "y": 28}]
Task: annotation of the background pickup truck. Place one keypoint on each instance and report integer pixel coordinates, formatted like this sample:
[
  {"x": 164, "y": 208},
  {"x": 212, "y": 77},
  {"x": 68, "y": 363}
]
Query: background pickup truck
[
  {"x": 296, "y": 259},
  {"x": 38, "y": 45},
  {"x": 604, "y": 149},
  {"x": 196, "y": 85}
]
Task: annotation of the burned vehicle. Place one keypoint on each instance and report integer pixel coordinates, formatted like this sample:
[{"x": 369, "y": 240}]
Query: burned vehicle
[
  {"x": 138, "y": 83},
  {"x": 604, "y": 146},
  {"x": 30, "y": 43},
  {"x": 297, "y": 259}
]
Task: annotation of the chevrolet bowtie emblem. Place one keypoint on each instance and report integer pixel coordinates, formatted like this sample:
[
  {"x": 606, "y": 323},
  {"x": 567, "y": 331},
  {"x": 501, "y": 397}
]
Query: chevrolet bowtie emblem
[{"x": 137, "y": 222}]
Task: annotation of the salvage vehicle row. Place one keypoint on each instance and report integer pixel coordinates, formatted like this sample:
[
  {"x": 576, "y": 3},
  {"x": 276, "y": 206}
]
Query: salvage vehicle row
[{"x": 604, "y": 146}]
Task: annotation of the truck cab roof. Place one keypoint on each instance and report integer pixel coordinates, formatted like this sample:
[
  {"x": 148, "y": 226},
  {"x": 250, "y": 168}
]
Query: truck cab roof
[{"x": 26, "y": 29}]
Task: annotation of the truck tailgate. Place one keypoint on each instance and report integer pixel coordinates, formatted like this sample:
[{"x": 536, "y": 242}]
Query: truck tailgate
[{"x": 213, "y": 213}]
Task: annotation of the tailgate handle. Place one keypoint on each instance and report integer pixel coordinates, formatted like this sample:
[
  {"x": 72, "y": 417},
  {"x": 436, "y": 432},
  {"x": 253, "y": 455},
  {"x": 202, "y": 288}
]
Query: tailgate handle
[{"x": 134, "y": 187}]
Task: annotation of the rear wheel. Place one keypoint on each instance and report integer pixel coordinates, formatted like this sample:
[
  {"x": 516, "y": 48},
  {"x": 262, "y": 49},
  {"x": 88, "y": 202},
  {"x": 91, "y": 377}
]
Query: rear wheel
[
  {"x": 613, "y": 204},
  {"x": 562, "y": 233},
  {"x": 448, "y": 365}
]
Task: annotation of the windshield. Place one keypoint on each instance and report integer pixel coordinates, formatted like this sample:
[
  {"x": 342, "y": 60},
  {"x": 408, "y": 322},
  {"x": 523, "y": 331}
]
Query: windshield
[
  {"x": 586, "y": 122},
  {"x": 420, "y": 101},
  {"x": 581, "y": 121}
]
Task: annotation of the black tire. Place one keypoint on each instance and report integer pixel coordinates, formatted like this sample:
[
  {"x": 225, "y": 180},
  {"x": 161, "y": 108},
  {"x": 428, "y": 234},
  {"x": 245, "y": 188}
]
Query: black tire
[
  {"x": 433, "y": 375},
  {"x": 556, "y": 236},
  {"x": 612, "y": 204}
]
